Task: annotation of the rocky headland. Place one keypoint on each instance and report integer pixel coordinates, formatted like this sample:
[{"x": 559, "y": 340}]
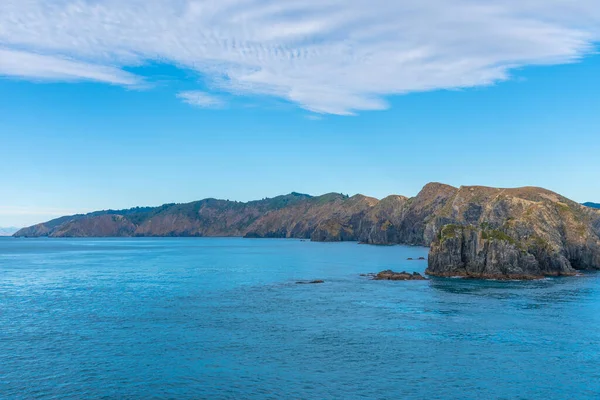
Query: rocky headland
[
  {"x": 473, "y": 231},
  {"x": 523, "y": 233}
]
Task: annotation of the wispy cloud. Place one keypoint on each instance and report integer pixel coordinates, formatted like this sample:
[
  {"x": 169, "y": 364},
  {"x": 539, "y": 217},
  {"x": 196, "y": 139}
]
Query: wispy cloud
[
  {"x": 55, "y": 68},
  {"x": 200, "y": 99},
  {"x": 327, "y": 56}
]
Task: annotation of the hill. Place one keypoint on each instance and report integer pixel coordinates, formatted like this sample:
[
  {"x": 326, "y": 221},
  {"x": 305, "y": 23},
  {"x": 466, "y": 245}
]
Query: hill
[
  {"x": 473, "y": 231},
  {"x": 293, "y": 215}
]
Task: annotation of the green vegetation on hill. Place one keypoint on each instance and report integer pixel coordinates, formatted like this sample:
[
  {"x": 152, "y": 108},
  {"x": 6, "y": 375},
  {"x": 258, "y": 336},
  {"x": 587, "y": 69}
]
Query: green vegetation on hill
[{"x": 472, "y": 230}]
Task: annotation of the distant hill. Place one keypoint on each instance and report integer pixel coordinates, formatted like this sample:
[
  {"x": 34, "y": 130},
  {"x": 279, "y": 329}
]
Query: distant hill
[
  {"x": 8, "y": 231},
  {"x": 293, "y": 215},
  {"x": 473, "y": 231},
  {"x": 592, "y": 205}
]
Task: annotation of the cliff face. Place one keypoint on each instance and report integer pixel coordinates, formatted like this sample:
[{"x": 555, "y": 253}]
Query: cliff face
[
  {"x": 514, "y": 233},
  {"x": 398, "y": 219},
  {"x": 422, "y": 219},
  {"x": 326, "y": 218},
  {"x": 473, "y": 231},
  {"x": 469, "y": 252},
  {"x": 382, "y": 223}
]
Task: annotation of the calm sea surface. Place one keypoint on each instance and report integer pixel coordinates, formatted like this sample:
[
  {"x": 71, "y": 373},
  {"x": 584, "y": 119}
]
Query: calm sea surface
[{"x": 224, "y": 319}]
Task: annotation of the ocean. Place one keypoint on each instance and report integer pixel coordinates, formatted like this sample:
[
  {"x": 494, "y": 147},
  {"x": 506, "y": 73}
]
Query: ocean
[{"x": 223, "y": 318}]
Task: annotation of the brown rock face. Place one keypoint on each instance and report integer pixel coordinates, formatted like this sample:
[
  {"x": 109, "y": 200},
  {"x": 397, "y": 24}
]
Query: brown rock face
[
  {"x": 422, "y": 221},
  {"x": 381, "y": 224},
  {"x": 102, "y": 225},
  {"x": 328, "y": 218}
]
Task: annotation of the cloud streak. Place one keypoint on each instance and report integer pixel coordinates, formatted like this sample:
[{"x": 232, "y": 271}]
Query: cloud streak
[
  {"x": 329, "y": 57},
  {"x": 23, "y": 64},
  {"x": 200, "y": 99}
]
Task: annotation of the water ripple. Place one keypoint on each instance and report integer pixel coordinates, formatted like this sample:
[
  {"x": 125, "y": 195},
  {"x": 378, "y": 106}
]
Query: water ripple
[{"x": 224, "y": 319}]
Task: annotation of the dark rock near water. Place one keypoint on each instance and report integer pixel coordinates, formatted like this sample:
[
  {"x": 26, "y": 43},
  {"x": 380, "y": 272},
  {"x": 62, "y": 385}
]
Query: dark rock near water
[
  {"x": 466, "y": 253},
  {"x": 390, "y": 275},
  {"x": 310, "y": 282}
]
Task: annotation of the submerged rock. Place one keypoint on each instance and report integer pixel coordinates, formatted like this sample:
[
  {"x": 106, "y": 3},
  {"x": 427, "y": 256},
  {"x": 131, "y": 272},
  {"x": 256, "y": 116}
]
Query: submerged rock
[{"x": 390, "y": 275}]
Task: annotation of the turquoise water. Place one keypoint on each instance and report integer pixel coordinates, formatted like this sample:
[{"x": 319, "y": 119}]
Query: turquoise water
[{"x": 224, "y": 319}]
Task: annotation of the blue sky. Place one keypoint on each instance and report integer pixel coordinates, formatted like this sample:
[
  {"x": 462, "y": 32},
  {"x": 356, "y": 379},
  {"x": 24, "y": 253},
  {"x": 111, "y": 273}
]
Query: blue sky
[{"x": 377, "y": 103}]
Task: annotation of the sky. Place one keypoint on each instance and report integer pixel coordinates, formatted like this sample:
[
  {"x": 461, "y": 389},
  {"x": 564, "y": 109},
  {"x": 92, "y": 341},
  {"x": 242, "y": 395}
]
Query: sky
[{"x": 115, "y": 104}]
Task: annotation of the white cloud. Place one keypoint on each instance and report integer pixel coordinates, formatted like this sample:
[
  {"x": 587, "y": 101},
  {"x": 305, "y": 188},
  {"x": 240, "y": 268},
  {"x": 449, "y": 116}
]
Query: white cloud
[
  {"x": 54, "y": 68},
  {"x": 200, "y": 99},
  {"x": 327, "y": 56}
]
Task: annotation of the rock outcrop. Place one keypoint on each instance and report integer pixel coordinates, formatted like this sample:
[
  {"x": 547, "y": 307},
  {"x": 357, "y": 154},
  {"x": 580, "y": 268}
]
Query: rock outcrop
[
  {"x": 523, "y": 233},
  {"x": 473, "y": 231},
  {"x": 470, "y": 252},
  {"x": 389, "y": 275}
]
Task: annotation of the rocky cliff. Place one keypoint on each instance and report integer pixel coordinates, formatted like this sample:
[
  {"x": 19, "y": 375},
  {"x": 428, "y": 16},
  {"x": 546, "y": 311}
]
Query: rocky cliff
[
  {"x": 473, "y": 231},
  {"x": 514, "y": 234}
]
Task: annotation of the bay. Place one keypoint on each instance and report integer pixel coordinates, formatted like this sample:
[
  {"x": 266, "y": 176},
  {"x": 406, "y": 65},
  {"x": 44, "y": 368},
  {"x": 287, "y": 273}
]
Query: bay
[{"x": 223, "y": 318}]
